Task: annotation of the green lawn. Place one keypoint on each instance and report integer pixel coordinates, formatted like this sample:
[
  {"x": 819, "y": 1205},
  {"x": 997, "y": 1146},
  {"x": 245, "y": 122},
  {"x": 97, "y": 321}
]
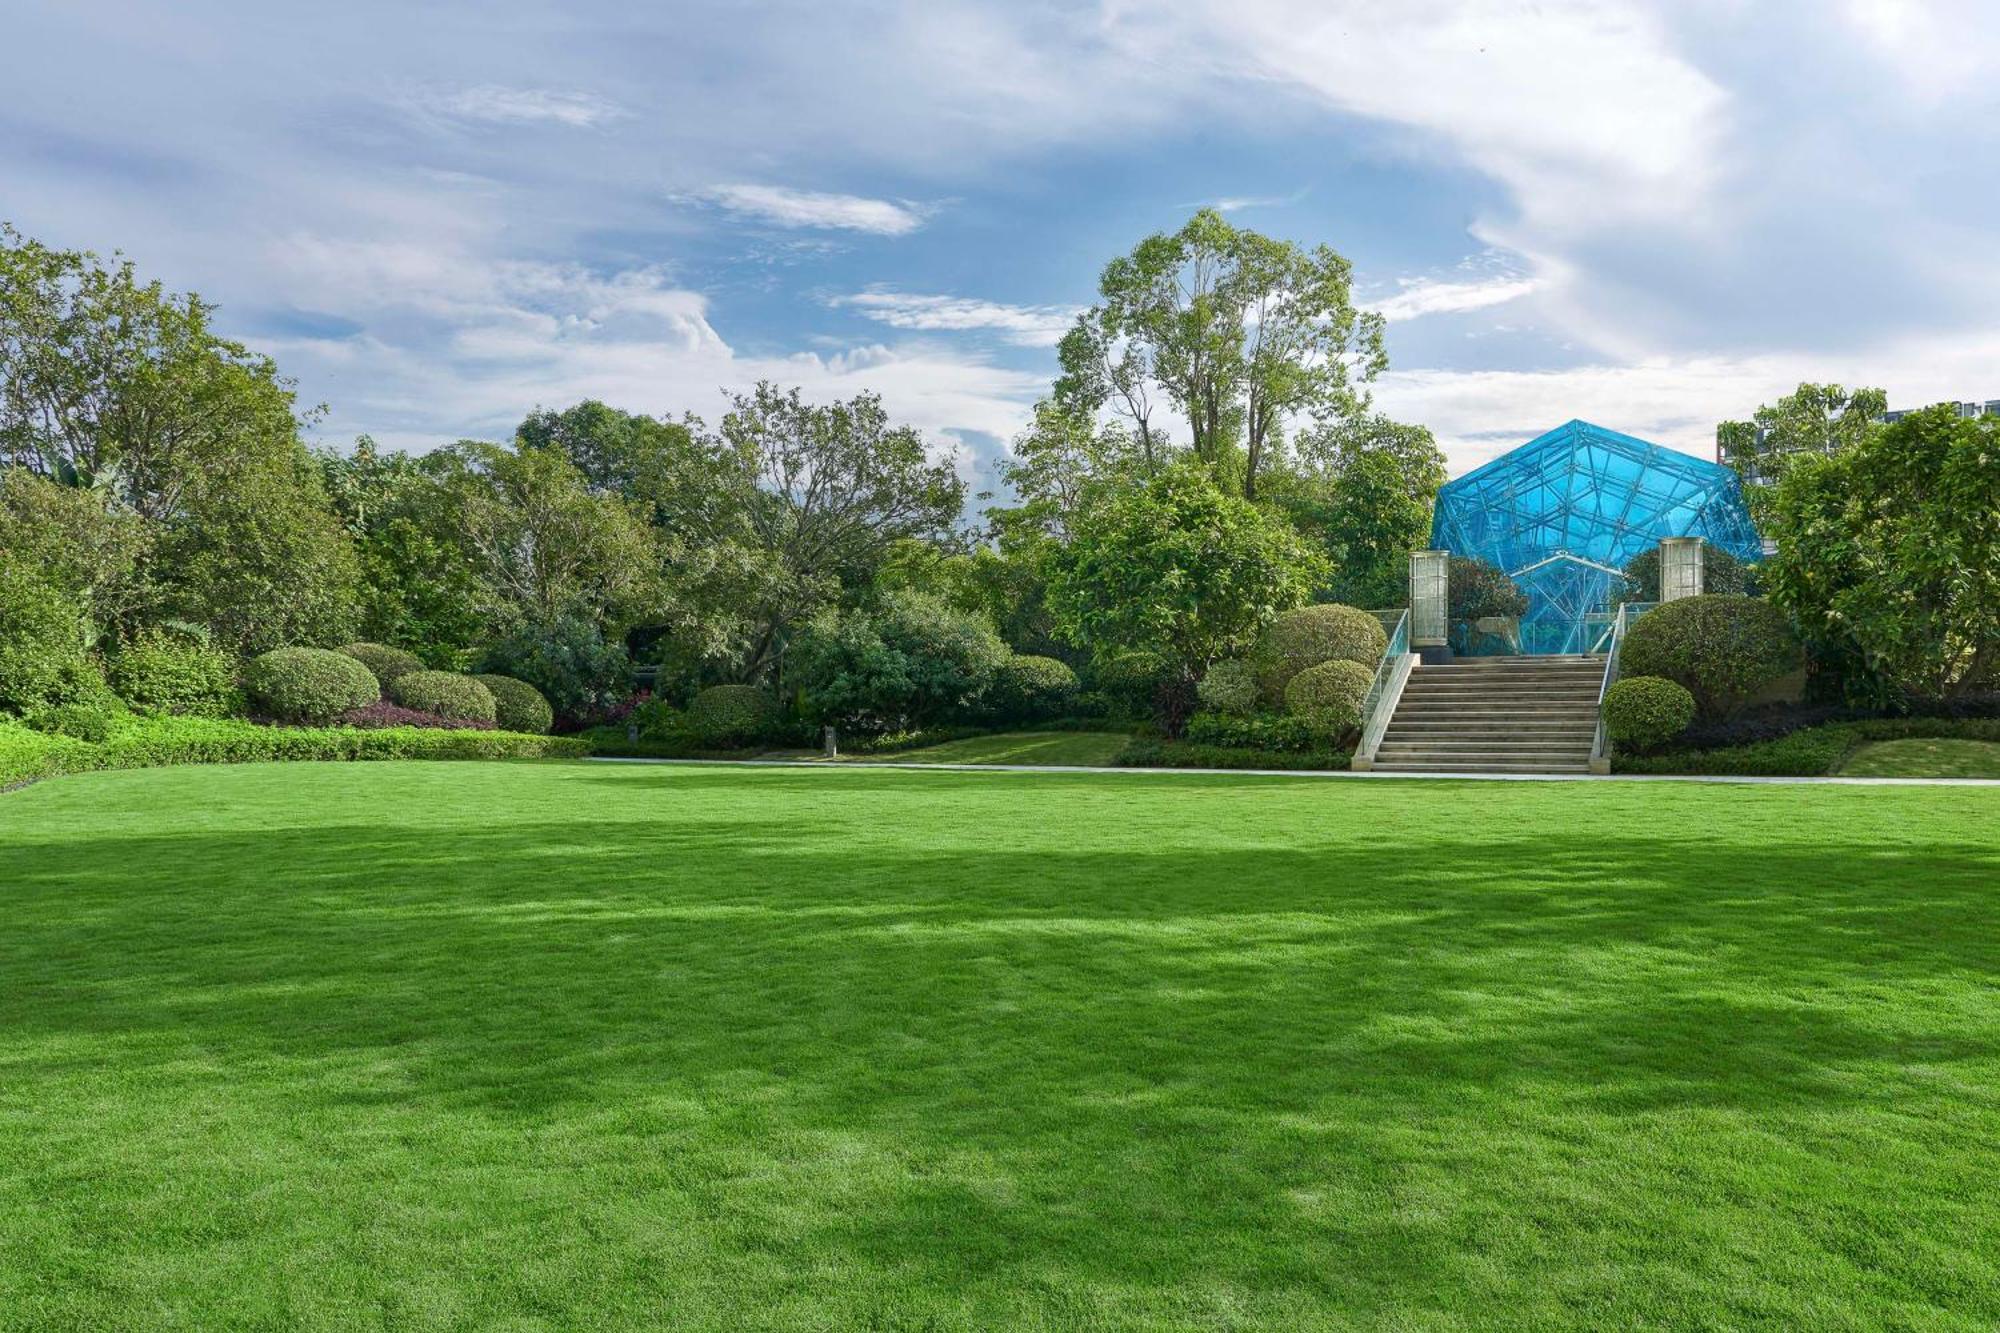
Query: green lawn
[
  {"x": 1080, "y": 748},
  {"x": 527, "y": 1046},
  {"x": 1925, "y": 759}
]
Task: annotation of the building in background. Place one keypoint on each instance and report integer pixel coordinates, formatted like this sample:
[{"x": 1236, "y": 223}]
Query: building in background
[{"x": 1726, "y": 454}]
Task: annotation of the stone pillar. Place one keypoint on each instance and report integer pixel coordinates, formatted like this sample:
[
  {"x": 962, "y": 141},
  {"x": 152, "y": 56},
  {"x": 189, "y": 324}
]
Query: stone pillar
[
  {"x": 1430, "y": 591},
  {"x": 1680, "y": 568}
]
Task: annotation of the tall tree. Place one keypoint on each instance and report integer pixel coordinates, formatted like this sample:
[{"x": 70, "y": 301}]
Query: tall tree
[
  {"x": 817, "y": 496},
  {"x": 1362, "y": 489},
  {"x": 1241, "y": 333},
  {"x": 1889, "y": 550},
  {"x": 1813, "y": 421},
  {"x": 1178, "y": 568}
]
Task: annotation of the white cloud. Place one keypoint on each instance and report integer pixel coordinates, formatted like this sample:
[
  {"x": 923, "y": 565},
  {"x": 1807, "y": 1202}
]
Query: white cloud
[
  {"x": 1478, "y": 415},
  {"x": 458, "y": 345},
  {"x": 1024, "y": 325},
  {"x": 1432, "y": 296},
  {"x": 524, "y": 106},
  {"x": 812, "y": 208}
]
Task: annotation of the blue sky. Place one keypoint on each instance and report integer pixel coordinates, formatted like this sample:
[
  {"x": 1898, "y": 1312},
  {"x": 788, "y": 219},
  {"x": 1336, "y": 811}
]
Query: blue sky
[{"x": 439, "y": 217}]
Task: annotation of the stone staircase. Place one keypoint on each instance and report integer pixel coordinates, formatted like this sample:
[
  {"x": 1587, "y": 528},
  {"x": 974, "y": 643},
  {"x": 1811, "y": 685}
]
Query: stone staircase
[{"x": 1495, "y": 715}]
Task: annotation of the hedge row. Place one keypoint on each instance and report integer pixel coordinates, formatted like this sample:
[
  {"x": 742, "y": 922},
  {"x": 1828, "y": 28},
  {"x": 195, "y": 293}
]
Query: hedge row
[
  {"x": 158, "y": 742},
  {"x": 1810, "y": 752}
]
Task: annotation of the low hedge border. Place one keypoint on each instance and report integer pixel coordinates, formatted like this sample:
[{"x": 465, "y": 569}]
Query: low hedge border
[
  {"x": 26, "y": 756},
  {"x": 1810, "y": 752},
  {"x": 1146, "y": 752}
]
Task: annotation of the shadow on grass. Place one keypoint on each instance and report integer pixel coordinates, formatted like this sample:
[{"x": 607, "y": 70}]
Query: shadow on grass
[{"x": 1116, "y": 1063}]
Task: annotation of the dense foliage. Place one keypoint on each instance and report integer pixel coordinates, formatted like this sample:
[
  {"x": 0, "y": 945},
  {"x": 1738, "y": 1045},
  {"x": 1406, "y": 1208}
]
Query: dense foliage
[
  {"x": 1329, "y": 696},
  {"x": 1889, "y": 555},
  {"x": 308, "y": 685},
  {"x": 910, "y": 661},
  {"x": 1312, "y": 635},
  {"x": 1721, "y": 649},
  {"x": 518, "y": 706},
  {"x": 1478, "y": 589},
  {"x": 728, "y": 715},
  {"x": 161, "y": 671},
  {"x": 385, "y": 662},
  {"x": 1230, "y": 687},
  {"x": 444, "y": 694},
  {"x": 1027, "y": 688},
  {"x": 1645, "y": 712},
  {"x": 43, "y": 661}
]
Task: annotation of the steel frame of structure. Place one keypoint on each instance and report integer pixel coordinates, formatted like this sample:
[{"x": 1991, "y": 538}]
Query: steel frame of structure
[{"x": 1563, "y": 513}]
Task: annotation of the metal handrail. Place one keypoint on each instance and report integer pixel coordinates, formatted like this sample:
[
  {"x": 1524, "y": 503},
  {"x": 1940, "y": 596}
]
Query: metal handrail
[
  {"x": 1388, "y": 672},
  {"x": 1600, "y": 744}
]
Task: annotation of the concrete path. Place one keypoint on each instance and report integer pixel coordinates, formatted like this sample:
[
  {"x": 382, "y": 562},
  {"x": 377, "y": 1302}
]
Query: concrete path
[{"x": 875, "y": 764}]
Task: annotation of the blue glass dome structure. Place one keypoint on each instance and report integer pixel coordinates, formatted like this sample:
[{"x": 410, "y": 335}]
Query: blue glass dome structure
[{"x": 1563, "y": 513}]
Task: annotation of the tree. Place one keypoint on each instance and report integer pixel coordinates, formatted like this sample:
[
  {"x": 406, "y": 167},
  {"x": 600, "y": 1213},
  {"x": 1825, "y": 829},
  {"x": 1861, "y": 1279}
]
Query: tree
[
  {"x": 816, "y": 497},
  {"x": 1177, "y": 568},
  {"x": 907, "y": 662},
  {"x": 1057, "y": 465},
  {"x": 1814, "y": 420},
  {"x": 1241, "y": 333},
  {"x": 90, "y": 552},
  {"x": 111, "y": 383},
  {"x": 1889, "y": 553},
  {"x": 545, "y": 548},
  {"x": 662, "y": 466},
  {"x": 1364, "y": 488}
]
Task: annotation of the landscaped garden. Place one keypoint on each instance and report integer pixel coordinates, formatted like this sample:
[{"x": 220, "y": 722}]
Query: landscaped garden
[{"x": 573, "y": 1045}]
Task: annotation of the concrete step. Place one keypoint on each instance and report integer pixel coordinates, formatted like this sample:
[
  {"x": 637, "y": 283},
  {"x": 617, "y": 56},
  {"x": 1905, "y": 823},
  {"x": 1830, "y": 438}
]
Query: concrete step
[
  {"x": 1437, "y": 710},
  {"x": 1448, "y": 769}
]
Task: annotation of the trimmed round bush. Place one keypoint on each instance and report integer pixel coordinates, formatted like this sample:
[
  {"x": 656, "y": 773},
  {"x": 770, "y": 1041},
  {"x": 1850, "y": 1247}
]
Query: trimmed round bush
[
  {"x": 518, "y": 706},
  {"x": 1028, "y": 688},
  {"x": 728, "y": 715},
  {"x": 1720, "y": 649},
  {"x": 1645, "y": 712},
  {"x": 444, "y": 694},
  {"x": 1130, "y": 680},
  {"x": 1229, "y": 688},
  {"x": 1330, "y": 695},
  {"x": 160, "y": 672},
  {"x": 387, "y": 663},
  {"x": 1475, "y": 589},
  {"x": 1314, "y": 634},
  {"x": 312, "y": 685}
]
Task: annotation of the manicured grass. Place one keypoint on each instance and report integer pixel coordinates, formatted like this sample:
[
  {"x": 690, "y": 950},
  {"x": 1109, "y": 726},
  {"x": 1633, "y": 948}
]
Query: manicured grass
[
  {"x": 564, "y": 1045},
  {"x": 1089, "y": 749},
  {"x": 1925, "y": 759}
]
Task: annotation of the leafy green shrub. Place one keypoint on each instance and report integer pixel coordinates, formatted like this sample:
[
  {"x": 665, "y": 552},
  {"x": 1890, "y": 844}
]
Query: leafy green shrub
[
  {"x": 43, "y": 658},
  {"x": 1312, "y": 635},
  {"x": 1028, "y": 688},
  {"x": 1475, "y": 590},
  {"x": 307, "y": 684},
  {"x": 722, "y": 716},
  {"x": 444, "y": 694},
  {"x": 163, "y": 672},
  {"x": 1128, "y": 681},
  {"x": 1721, "y": 649},
  {"x": 518, "y": 706},
  {"x": 387, "y": 663},
  {"x": 1809, "y": 752},
  {"x": 1261, "y": 731},
  {"x": 909, "y": 662},
  {"x": 580, "y": 673},
  {"x": 82, "y": 721},
  {"x": 1330, "y": 695},
  {"x": 1645, "y": 712},
  {"x": 1229, "y": 687}
]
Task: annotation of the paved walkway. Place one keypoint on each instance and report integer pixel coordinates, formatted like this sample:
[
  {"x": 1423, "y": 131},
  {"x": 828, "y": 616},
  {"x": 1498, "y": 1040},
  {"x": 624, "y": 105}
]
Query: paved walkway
[{"x": 1296, "y": 773}]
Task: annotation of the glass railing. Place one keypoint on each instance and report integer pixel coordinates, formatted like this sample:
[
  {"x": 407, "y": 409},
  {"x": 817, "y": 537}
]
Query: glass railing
[
  {"x": 1380, "y": 701},
  {"x": 1613, "y": 640}
]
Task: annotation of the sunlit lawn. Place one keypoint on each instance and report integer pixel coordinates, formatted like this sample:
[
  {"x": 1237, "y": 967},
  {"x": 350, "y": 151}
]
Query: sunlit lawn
[
  {"x": 1085, "y": 749},
  {"x": 592, "y": 1046},
  {"x": 1925, "y": 759}
]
